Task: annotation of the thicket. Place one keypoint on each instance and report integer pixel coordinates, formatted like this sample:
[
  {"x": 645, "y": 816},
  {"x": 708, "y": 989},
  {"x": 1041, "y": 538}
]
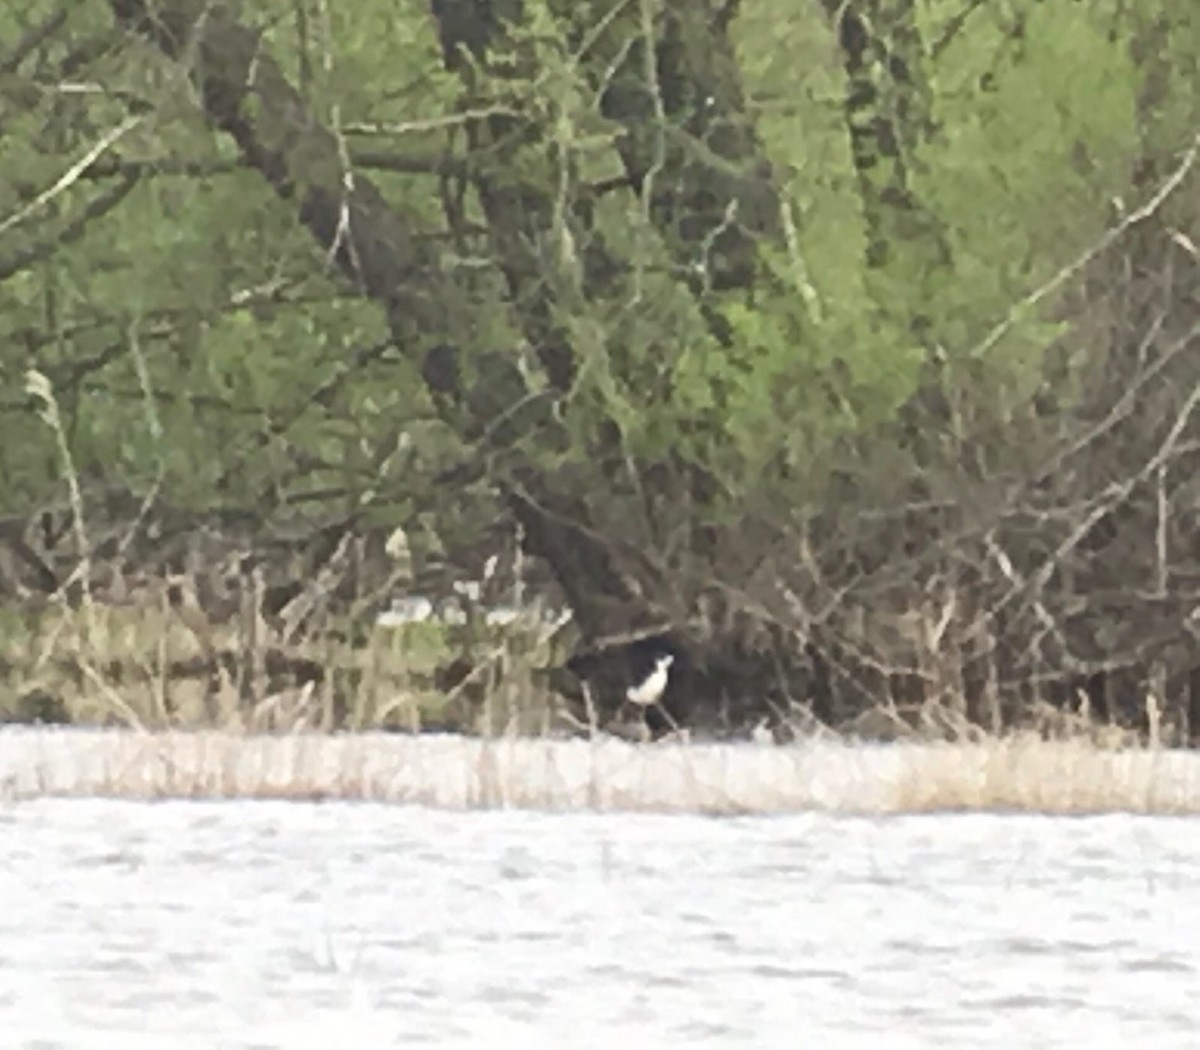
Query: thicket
[{"x": 847, "y": 347}]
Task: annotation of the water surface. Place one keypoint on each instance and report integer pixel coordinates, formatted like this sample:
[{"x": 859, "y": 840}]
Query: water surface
[{"x": 359, "y": 925}]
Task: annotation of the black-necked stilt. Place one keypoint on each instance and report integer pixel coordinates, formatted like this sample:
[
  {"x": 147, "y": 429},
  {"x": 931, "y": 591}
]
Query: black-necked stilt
[{"x": 650, "y": 690}]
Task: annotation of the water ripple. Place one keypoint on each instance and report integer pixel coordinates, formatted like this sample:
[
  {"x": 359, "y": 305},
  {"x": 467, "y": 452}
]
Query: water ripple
[{"x": 314, "y": 925}]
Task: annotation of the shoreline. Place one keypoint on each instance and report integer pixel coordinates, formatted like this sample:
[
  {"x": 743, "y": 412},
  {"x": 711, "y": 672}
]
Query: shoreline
[{"x": 1019, "y": 773}]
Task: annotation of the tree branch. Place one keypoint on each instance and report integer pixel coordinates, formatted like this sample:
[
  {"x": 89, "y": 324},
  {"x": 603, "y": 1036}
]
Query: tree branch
[
  {"x": 97, "y": 207},
  {"x": 32, "y": 39}
]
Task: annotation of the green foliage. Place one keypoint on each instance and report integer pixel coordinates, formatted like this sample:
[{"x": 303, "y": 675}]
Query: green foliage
[
  {"x": 238, "y": 317},
  {"x": 260, "y": 384}
]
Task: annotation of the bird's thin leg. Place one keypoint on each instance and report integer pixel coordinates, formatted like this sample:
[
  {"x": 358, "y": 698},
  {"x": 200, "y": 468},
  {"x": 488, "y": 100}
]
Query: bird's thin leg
[
  {"x": 675, "y": 728},
  {"x": 590, "y": 707}
]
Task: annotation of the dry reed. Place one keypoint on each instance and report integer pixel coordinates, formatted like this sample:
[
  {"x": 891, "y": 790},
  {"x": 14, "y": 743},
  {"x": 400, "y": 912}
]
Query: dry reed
[{"x": 1014, "y": 773}]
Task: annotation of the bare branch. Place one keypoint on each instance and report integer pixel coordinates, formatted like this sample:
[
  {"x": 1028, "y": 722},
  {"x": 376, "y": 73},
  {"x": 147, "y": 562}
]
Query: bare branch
[
  {"x": 96, "y": 208},
  {"x": 1072, "y": 269},
  {"x": 73, "y": 173}
]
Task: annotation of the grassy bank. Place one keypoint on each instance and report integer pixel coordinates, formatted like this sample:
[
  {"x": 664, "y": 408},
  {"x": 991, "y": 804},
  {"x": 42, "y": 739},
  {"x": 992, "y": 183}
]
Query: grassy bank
[{"x": 1020, "y": 773}]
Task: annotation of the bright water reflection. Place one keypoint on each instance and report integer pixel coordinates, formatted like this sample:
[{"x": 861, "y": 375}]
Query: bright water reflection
[{"x": 356, "y": 926}]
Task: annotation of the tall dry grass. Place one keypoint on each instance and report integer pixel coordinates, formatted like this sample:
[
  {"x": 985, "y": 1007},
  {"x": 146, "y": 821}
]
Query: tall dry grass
[
  {"x": 1019, "y": 773},
  {"x": 189, "y": 637}
]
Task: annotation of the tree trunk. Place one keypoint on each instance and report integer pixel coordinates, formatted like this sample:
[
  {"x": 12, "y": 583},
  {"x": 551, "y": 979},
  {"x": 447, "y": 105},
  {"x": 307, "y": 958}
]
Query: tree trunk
[
  {"x": 690, "y": 151},
  {"x": 380, "y": 249},
  {"x": 887, "y": 110}
]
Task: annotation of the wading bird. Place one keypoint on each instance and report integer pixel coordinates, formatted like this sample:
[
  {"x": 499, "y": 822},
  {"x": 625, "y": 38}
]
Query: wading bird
[{"x": 650, "y": 690}]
